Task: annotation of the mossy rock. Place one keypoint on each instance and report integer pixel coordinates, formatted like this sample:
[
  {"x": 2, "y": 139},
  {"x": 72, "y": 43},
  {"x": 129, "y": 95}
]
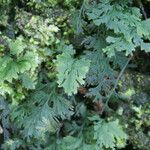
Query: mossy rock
[
  {"x": 135, "y": 87},
  {"x": 134, "y": 108},
  {"x": 136, "y": 123}
]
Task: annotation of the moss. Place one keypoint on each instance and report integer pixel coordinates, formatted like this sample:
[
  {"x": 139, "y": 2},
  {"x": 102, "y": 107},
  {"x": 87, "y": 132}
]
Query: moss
[
  {"x": 136, "y": 122},
  {"x": 128, "y": 93}
]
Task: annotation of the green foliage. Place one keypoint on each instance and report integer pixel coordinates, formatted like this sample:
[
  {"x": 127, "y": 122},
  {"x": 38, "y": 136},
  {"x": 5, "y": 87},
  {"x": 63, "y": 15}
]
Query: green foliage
[
  {"x": 137, "y": 121},
  {"x": 17, "y": 63},
  {"x": 103, "y": 77},
  {"x": 100, "y": 136},
  {"x": 17, "y": 46},
  {"x": 4, "y": 112},
  {"x": 13, "y": 144},
  {"x": 40, "y": 113},
  {"x": 61, "y": 62},
  {"x": 107, "y": 134},
  {"x": 128, "y": 32},
  {"x": 41, "y": 31},
  {"x": 27, "y": 82},
  {"x": 75, "y": 143},
  {"x": 71, "y": 71}
]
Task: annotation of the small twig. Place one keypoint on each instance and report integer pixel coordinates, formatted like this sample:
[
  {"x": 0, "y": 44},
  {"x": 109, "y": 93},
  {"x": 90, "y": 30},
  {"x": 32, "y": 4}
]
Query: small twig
[
  {"x": 142, "y": 9},
  {"x": 1, "y": 130},
  {"x": 115, "y": 86}
]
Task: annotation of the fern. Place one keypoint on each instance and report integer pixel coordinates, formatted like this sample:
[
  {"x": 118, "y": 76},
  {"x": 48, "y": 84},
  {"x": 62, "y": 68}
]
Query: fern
[
  {"x": 107, "y": 134},
  {"x": 42, "y": 112},
  {"x": 128, "y": 31},
  {"x": 9, "y": 69},
  {"x": 16, "y": 46},
  {"x": 13, "y": 144},
  {"x": 101, "y": 75},
  {"x": 49, "y": 59},
  {"x": 75, "y": 143},
  {"x": 27, "y": 81},
  {"x": 101, "y": 135},
  {"x": 19, "y": 63},
  {"x": 71, "y": 71}
]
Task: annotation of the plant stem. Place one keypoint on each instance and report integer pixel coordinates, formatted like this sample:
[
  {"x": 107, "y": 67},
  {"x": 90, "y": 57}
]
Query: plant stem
[
  {"x": 115, "y": 86},
  {"x": 142, "y": 9}
]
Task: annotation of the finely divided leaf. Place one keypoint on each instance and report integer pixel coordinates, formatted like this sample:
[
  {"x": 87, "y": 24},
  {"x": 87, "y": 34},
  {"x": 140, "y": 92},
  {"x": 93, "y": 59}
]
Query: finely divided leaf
[
  {"x": 107, "y": 134},
  {"x": 71, "y": 72},
  {"x": 17, "y": 46}
]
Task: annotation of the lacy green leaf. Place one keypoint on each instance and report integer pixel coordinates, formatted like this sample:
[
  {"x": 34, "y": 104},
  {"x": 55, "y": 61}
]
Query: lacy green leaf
[
  {"x": 41, "y": 112},
  {"x": 71, "y": 71},
  {"x": 9, "y": 69},
  {"x": 27, "y": 81},
  {"x": 29, "y": 61},
  {"x": 128, "y": 33},
  {"x": 107, "y": 134},
  {"x": 101, "y": 76},
  {"x": 16, "y": 46}
]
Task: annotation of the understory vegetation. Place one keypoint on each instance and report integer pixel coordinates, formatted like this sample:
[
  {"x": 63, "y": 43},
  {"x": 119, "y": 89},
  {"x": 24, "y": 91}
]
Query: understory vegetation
[{"x": 75, "y": 74}]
